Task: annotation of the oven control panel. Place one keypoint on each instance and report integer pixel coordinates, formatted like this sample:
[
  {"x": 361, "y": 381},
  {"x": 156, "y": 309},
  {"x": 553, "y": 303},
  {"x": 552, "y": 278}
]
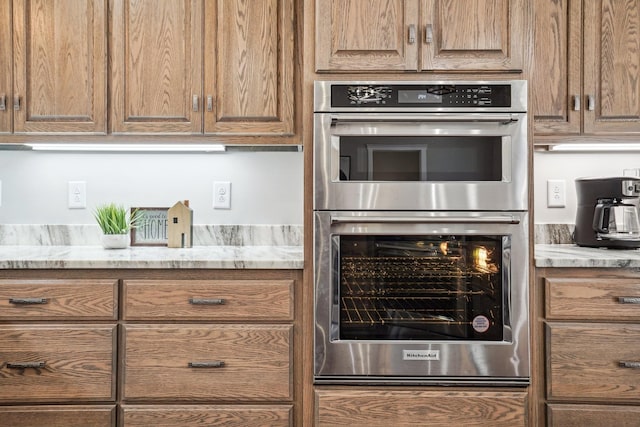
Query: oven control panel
[{"x": 424, "y": 95}]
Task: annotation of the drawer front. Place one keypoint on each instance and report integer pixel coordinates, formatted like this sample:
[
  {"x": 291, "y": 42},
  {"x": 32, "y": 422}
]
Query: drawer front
[
  {"x": 201, "y": 415},
  {"x": 208, "y": 300},
  {"x": 57, "y": 416},
  {"x": 205, "y": 362},
  {"x": 585, "y": 361},
  {"x": 593, "y": 299},
  {"x": 58, "y": 299},
  {"x": 374, "y": 408},
  {"x": 592, "y": 415},
  {"x": 57, "y": 363}
]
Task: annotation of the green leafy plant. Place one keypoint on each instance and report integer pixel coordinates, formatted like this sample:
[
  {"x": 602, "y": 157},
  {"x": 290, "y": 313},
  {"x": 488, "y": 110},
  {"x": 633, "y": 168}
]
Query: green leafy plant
[{"x": 114, "y": 219}]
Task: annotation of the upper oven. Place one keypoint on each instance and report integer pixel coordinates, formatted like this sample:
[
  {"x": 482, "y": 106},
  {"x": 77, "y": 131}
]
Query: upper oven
[{"x": 420, "y": 146}]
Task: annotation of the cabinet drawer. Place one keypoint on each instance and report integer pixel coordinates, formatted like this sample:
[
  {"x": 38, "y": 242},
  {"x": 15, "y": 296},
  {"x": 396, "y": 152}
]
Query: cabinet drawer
[
  {"x": 560, "y": 415},
  {"x": 58, "y": 299},
  {"x": 206, "y": 415},
  {"x": 57, "y": 416},
  {"x": 584, "y": 361},
  {"x": 593, "y": 299},
  {"x": 57, "y": 363},
  {"x": 376, "y": 408},
  {"x": 208, "y": 362},
  {"x": 208, "y": 300}
]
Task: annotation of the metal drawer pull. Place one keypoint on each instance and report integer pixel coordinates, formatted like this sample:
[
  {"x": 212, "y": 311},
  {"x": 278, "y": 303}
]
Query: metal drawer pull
[
  {"x": 576, "y": 103},
  {"x": 195, "y": 102},
  {"x": 209, "y": 103},
  {"x": 412, "y": 34},
  {"x": 3, "y": 102},
  {"x": 214, "y": 364},
  {"x": 206, "y": 301},
  {"x": 629, "y": 300},
  {"x": 627, "y": 364},
  {"x": 26, "y": 365},
  {"x": 591, "y": 103},
  {"x": 16, "y": 103},
  {"x": 428, "y": 33},
  {"x": 28, "y": 301}
]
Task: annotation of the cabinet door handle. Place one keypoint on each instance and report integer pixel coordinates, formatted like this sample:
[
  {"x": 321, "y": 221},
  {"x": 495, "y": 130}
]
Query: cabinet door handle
[
  {"x": 27, "y": 301},
  {"x": 16, "y": 103},
  {"x": 3, "y": 102},
  {"x": 629, "y": 300},
  {"x": 207, "y": 301},
  {"x": 209, "y": 103},
  {"x": 26, "y": 365},
  {"x": 195, "y": 102},
  {"x": 629, "y": 364},
  {"x": 412, "y": 34},
  {"x": 576, "y": 103},
  {"x": 214, "y": 364},
  {"x": 428, "y": 33},
  {"x": 591, "y": 103}
]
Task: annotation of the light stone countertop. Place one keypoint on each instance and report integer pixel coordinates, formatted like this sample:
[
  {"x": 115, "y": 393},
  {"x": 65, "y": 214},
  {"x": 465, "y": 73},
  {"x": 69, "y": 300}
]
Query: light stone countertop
[
  {"x": 67, "y": 257},
  {"x": 571, "y": 255}
]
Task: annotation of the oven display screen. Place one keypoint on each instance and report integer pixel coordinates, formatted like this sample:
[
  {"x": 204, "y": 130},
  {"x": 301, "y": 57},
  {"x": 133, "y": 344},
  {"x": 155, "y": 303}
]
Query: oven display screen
[{"x": 418, "y": 97}]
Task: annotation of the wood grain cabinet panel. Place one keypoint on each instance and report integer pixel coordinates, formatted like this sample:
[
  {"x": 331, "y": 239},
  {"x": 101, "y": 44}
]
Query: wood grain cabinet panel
[
  {"x": 60, "y": 63},
  {"x": 6, "y": 68},
  {"x": 593, "y": 361},
  {"x": 58, "y": 299},
  {"x": 58, "y": 416},
  {"x": 593, "y": 299},
  {"x": 207, "y": 362},
  {"x": 249, "y": 300},
  {"x": 592, "y": 415},
  {"x": 379, "y": 408},
  {"x": 57, "y": 363},
  {"x": 207, "y": 415}
]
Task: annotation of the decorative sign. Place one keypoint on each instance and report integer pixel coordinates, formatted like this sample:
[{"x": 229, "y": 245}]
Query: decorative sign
[{"x": 151, "y": 229}]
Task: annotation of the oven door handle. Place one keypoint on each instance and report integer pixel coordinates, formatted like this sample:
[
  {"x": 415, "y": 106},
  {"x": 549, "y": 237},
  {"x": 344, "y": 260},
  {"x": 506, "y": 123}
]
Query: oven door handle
[
  {"x": 505, "y": 219},
  {"x": 504, "y": 119}
]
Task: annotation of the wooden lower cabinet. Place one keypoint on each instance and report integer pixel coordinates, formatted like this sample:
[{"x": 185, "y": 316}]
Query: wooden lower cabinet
[
  {"x": 567, "y": 415},
  {"x": 400, "y": 407},
  {"x": 207, "y": 415},
  {"x": 58, "y": 416}
]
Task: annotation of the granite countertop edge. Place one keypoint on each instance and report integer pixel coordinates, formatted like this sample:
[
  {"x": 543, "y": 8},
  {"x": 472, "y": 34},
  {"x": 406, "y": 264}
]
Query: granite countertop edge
[
  {"x": 197, "y": 257},
  {"x": 572, "y": 255}
]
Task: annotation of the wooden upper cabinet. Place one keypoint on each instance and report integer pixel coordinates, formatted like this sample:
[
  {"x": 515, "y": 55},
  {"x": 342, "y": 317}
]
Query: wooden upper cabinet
[
  {"x": 157, "y": 66},
  {"x": 376, "y": 35},
  {"x": 249, "y": 67},
  {"x": 420, "y": 35},
  {"x": 6, "y": 116},
  {"x": 608, "y": 102},
  {"x": 59, "y": 49},
  {"x": 473, "y": 35}
]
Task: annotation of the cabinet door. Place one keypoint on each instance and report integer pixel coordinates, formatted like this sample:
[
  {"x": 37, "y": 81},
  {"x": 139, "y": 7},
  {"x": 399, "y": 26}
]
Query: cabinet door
[
  {"x": 376, "y": 35},
  {"x": 473, "y": 34},
  {"x": 6, "y": 117},
  {"x": 157, "y": 66},
  {"x": 60, "y": 66},
  {"x": 612, "y": 66},
  {"x": 58, "y": 416},
  {"x": 249, "y": 67},
  {"x": 557, "y": 67}
]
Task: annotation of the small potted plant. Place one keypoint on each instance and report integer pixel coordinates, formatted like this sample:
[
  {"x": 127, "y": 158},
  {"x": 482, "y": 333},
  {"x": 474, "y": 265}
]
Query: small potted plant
[{"x": 115, "y": 223}]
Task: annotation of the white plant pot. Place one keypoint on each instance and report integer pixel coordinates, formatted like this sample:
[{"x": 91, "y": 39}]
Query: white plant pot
[{"x": 115, "y": 241}]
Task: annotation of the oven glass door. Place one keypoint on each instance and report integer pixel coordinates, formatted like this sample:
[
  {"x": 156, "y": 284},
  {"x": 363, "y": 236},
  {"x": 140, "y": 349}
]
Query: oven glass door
[{"x": 422, "y": 287}]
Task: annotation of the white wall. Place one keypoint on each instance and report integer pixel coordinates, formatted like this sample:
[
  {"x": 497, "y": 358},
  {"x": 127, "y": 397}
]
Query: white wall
[
  {"x": 569, "y": 166},
  {"x": 267, "y": 187}
]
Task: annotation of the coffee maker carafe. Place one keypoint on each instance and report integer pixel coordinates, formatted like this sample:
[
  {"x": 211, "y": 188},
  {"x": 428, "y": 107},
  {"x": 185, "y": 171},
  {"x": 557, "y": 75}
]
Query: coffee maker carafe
[{"x": 607, "y": 214}]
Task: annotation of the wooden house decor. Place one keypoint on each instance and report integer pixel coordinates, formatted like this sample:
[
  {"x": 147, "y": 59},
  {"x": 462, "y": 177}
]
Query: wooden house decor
[{"x": 180, "y": 226}]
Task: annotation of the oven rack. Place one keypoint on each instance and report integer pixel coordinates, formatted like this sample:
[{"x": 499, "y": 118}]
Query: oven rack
[
  {"x": 364, "y": 311},
  {"x": 402, "y": 267},
  {"x": 419, "y": 289}
]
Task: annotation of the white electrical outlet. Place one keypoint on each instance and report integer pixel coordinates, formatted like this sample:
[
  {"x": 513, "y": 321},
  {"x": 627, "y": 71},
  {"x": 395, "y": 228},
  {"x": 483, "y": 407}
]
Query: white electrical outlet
[
  {"x": 222, "y": 195},
  {"x": 77, "y": 195},
  {"x": 556, "y": 193}
]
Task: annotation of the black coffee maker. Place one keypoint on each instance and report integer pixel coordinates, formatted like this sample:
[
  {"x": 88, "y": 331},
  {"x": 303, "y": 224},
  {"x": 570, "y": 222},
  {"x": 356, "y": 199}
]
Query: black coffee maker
[{"x": 607, "y": 214}]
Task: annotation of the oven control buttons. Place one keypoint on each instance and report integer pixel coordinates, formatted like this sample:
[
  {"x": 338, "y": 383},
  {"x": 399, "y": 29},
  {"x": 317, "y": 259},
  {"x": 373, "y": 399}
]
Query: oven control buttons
[{"x": 368, "y": 94}]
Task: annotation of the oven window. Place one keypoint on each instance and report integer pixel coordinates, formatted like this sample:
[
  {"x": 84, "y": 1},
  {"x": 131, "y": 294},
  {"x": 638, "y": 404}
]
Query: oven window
[
  {"x": 428, "y": 158},
  {"x": 432, "y": 287}
]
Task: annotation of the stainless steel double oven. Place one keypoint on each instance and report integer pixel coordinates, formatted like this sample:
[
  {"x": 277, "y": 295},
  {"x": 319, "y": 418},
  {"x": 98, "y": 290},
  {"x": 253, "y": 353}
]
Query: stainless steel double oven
[{"x": 421, "y": 232}]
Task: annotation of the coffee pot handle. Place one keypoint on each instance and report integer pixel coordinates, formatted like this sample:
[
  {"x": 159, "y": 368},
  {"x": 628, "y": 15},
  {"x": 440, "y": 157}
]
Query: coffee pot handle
[{"x": 601, "y": 217}]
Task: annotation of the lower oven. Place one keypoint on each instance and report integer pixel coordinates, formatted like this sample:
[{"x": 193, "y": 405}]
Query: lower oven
[{"x": 421, "y": 297}]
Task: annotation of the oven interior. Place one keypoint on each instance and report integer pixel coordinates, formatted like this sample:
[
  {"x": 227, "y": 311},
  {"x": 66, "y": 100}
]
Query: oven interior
[{"x": 428, "y": 287}]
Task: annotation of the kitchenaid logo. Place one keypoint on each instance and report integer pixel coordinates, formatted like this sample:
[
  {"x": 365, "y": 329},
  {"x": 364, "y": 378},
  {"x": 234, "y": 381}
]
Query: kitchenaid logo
[{"x": 420, "y": 354}]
